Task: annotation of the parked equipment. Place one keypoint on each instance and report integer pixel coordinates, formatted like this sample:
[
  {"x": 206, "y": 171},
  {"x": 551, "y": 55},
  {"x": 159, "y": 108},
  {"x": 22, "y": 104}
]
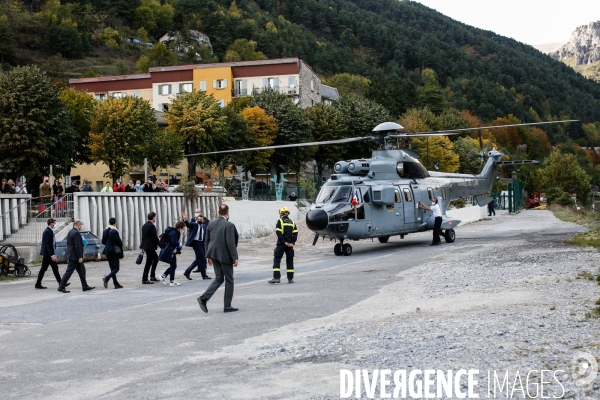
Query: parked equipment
[
  {"x": 8, "y": 256},
  {"x": 534, "y": 200}
]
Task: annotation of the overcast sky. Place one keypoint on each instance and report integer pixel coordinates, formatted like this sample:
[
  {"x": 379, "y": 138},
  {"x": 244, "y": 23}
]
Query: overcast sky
[{"x": 528, "y": 21}]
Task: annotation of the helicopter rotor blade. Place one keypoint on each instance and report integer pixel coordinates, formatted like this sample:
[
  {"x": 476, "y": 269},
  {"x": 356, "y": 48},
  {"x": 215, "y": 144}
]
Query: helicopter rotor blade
[
  {"x": 459, "y": 131},
  {"x": 283, "y": 146}
]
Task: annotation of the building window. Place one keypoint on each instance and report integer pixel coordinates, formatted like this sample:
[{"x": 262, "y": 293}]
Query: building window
[
  {"x": 312, "y": 85},
  {"x": 101, "y": 96},
  {"x": 271, "y": 83},
  {"x": 118, "y": 95},
  {"x": 136, "y": 94},
  {"x": 219, "y": 83},
  {"x": 203, "y": 85},
  {"x": 241, "y": 87},
  {"x": 164, "y": 89},
  {"x": 185, "y": 87},
  {"x": 221, "y": 103},
  {"x": 164, "y": 107},
  {"x": 292, "y": 81},
  {"x": 296, "y": 100}
]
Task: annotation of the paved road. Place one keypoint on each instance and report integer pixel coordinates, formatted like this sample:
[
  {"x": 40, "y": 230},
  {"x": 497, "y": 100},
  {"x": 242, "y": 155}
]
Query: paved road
[{"x": 154, "y": 342}]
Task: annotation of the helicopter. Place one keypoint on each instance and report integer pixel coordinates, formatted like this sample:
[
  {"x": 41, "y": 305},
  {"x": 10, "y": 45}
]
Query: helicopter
[{"x": 379, "y": 197}]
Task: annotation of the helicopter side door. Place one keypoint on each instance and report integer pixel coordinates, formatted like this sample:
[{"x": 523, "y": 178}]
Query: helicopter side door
[
  {"x": 399, "y": 210},
  {"x": 418, "y": 211},
  {"x": 409, "y": 205}
]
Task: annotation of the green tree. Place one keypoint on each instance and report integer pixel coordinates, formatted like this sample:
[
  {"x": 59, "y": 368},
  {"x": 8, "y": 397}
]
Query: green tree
[
  {"x": 431, "y": 94},
  {"x": 121, "y": 129},
  {"x": 292, "y": 127},
  {"x": 65, "y": 39},
  {"x": 7, "y": 42},
  {"x": 81, "y": 107},
  {"x": 158, "y": 56},
  {"x": 35, "y": 129},
  {"x": 243, "y": 50},
  {"x": 144, "y": 18},
  {"x": 464, "y": 146},
  {"x": 348, "y": 84},
  {"x": 164, "y": 150},
  {"x": 361, "y": 116},
  {"x": 200, "y": 122},
  {"x": 562, "y": 171},
  {"x": 328, "y": 123}
]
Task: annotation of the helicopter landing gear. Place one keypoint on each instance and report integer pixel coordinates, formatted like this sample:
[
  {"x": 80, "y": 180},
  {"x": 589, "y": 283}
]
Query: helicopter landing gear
[
  {"x": 383, "y": 239},
  {"x": 337, "y": 249},
  {"x": 347, "y": 249},
  {"x": 449, "y": 235},
  {"x": 341, "y": 249}
]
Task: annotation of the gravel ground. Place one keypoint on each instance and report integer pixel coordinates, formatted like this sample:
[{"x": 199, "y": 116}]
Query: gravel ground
[{"x": 514, "y": 305}]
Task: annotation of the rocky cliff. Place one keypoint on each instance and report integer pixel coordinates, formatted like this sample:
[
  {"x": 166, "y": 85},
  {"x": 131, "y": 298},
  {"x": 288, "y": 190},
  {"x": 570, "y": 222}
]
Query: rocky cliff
[{"x": 584, "y": 46}]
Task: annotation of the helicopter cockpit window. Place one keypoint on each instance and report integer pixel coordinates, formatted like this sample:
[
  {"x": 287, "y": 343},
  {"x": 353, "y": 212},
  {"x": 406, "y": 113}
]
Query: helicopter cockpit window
[
  {"x": 430, "y": 193},
  {"x": 342, "y": 195},
  {"x": 397, "y": 196},
  {"x": 407, "y": 195},
  {"x": 326, "y": 194},
  {"x": 444, "y": 193}
]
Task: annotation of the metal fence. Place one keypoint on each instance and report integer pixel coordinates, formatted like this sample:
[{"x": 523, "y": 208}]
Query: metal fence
[{"x": 26, "y": 220}]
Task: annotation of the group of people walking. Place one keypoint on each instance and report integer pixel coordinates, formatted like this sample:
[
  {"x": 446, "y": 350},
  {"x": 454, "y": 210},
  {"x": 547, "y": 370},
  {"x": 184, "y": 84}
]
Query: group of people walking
[{"x": 214, "y": 244}]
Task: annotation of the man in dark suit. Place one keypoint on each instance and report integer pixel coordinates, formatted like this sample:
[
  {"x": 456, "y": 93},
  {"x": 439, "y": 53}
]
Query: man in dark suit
[
  {"x": 74, "y": 254},
  {"x": 222, "y": 253},
  {"x": 47, "y": 253},
  {"x": 149, "y": 245},
  {"x": 196, "y": 241}
]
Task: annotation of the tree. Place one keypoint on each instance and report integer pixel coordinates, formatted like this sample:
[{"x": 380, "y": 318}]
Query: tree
[
  {"x": 328, "y": 123},
  {"x": 158, "y": 56},
  {"x": 431, "y": 94},
  {"x": 81, "y": 107},
  {"x": 263, "y": 130},
  {"x": 7, "y": 42},
  {"x": 200, "y": 122},
  {"x": 361, "y": 116},
  {"x": 164, "y": 150},
  {"x": 65, "y": 39},
  {"x": 120, "y": 132},
  {"x": 243, "y": 50},
  {"x": 35, "y": 129},
  {"x": 464, "y": 146},
  {"x": 292, "y": 127},
  {"x": 562, "y": 171},
  {"x": 348, "y": 84}
]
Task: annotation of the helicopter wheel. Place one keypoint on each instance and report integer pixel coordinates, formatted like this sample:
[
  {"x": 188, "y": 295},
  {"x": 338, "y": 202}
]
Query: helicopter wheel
[
  {"x": 449, "y": 235},
  {"x": 347, "y": 249},
  {"x": 337, "y": 249},
  {"x": 383, "y": 239}
]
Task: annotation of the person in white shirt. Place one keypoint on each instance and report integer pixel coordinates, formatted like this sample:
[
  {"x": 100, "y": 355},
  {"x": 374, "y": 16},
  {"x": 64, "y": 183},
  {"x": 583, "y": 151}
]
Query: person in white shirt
[
  {"x": 20, "y": 189},
  {"x": 437, "y": 214}
]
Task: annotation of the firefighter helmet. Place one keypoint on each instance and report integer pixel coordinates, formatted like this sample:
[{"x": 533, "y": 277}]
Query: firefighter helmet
[{"x": 284, "y": 210}]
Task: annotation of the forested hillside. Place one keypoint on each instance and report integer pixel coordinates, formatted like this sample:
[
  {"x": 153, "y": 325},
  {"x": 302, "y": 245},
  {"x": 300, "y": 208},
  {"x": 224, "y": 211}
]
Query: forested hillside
[{"x": 427, "y": 70}]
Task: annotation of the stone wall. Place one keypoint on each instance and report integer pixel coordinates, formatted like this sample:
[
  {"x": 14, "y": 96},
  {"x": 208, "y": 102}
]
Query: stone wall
[{"x": 309, "y": 97}]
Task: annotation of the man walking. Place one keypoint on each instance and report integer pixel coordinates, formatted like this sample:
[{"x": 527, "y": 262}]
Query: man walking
[
  {"x": 149, "y": 245},
  {"x": 47, "y": 253},
  {"x": 287, "y": 234},
  {"x": 222, "y": 254},
  {"x": 74, "y": 254},
  {"x": 437, "y": 214},
  {"x": 196, "y": 241}
]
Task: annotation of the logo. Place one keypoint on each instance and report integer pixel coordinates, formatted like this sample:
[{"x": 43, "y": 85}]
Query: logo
[{"x": 584, "y": 368}]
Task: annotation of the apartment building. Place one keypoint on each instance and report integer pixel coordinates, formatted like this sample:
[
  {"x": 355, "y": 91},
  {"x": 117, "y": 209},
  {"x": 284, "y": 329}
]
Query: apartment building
[{"x": 225, "y": 81}]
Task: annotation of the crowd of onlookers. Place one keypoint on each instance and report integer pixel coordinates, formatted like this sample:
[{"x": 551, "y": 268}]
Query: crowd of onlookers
[{"x": 56, "y": 191}]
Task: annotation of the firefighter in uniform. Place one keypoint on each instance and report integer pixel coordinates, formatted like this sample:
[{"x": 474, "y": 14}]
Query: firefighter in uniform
[{"x": 287, "y": 234}]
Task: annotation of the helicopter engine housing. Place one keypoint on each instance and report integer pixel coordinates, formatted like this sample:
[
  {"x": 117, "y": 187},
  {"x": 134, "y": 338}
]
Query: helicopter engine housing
[{"x": 358, "y": 167}]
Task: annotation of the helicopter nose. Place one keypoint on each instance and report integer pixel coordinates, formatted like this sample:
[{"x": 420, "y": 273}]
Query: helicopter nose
[{"x": 316, "y": 220}]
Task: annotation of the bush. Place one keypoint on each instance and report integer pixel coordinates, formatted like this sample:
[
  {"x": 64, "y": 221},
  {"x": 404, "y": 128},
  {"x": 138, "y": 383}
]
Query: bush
[{"x": 558, "y": 196}]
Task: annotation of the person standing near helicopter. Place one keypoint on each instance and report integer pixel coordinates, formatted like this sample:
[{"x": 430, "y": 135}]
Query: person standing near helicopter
[
  {"x": 437, "y": 214},
  {"x": 287, "y": 234}
]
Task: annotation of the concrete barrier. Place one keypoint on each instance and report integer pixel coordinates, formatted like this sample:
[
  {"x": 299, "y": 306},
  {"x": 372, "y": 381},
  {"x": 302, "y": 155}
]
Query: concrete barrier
[
  {"x": 257, "y": 218},
  {"x": 468, "y": 214},
  {"x": 131, "y": 210}
]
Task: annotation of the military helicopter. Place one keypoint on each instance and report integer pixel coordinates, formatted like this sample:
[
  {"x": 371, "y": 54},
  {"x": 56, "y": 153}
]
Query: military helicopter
[{"x": 378, "y": 197}]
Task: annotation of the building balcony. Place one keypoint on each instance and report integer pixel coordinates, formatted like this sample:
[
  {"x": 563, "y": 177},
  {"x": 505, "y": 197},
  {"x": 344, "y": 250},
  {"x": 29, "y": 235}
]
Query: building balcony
[{"x": 291, "y": 91}]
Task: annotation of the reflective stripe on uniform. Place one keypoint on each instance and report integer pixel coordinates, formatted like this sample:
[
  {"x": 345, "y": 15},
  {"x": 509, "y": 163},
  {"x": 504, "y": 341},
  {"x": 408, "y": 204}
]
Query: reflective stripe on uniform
[
  {"x": 281, "y": 225},
  {"x": 289, "y": 270},
  {"x": 276, "y": 269}
]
